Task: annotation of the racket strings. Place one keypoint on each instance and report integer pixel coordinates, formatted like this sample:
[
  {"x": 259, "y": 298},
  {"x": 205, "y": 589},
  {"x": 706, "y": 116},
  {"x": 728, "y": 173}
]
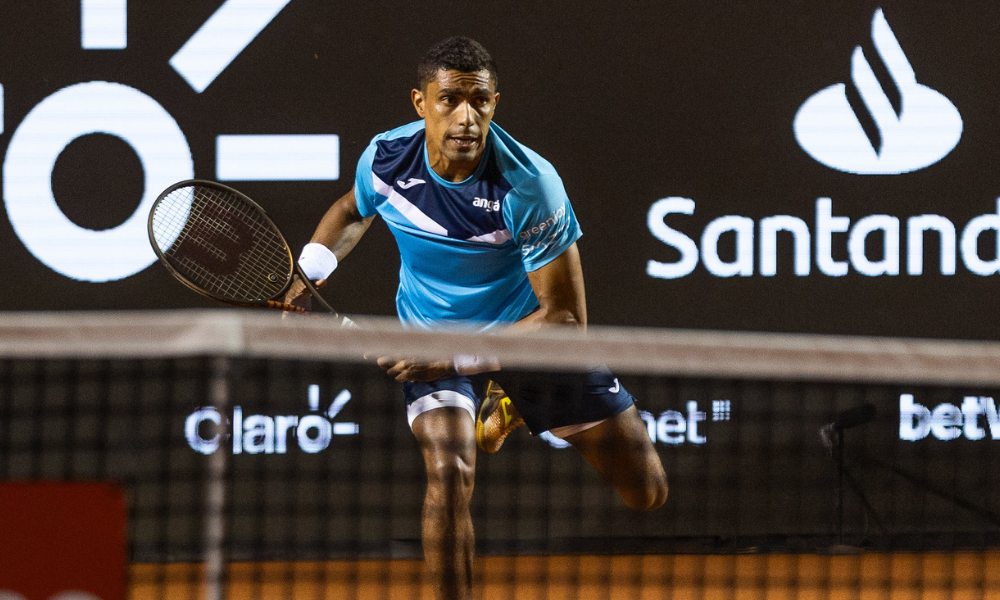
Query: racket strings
[
  {"x": 221, "y": 243},
  {"x": 246, "y": 283},
  {"x": 266, "y": 257},
  {"x": 269, "y": 253}
]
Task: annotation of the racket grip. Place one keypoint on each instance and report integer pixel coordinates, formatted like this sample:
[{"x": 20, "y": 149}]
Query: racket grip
[{"x": 286, "y": 307}]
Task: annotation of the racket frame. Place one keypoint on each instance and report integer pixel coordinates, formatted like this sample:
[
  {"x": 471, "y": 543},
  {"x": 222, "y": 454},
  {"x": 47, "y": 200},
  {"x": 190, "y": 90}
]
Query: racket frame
[{"x": 270, "y": 303}]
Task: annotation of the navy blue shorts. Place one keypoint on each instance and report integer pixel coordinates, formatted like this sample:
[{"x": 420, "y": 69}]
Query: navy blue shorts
[{"x": 545, "y": 400}]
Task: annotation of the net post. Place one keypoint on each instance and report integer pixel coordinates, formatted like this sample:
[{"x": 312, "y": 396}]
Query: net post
[{"x": 215, "y": 489}]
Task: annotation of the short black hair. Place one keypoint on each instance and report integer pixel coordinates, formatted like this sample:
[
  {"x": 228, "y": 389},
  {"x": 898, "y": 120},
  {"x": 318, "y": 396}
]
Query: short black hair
[{"x": 458, "y": 53}]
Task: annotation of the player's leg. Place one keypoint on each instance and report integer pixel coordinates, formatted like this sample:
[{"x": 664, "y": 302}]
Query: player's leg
[
  {"x": 442, "y": 422},
  {"x": 447, "y": 439},
  {"x": 596, "y": 414},
  {"x": 620, "y": 450}
]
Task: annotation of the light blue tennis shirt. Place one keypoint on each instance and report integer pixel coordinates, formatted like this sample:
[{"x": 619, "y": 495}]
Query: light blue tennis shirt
[{"x": 465, "y": 247}]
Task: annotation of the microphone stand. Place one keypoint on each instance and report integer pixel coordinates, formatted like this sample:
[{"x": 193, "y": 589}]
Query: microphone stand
[
  {"x": 833, "y": 438},
  {"x": 983, "y": 513}
]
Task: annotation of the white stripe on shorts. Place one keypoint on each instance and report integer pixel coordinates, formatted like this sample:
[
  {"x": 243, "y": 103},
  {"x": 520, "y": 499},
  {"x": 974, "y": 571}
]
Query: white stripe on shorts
[{"x": 439, "y": 399}]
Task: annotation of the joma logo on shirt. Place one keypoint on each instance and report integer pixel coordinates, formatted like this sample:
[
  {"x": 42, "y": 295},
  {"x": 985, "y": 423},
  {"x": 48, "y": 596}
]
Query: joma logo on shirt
[{"x": 489, "y": 205}]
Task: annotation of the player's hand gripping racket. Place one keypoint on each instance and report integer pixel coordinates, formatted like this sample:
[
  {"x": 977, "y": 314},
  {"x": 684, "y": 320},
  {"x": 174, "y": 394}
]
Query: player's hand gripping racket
[{"x": 221, "y": 244}]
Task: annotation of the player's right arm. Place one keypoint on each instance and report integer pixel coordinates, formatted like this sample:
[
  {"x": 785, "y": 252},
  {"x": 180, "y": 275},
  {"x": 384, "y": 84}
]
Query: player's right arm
[
  {"x": 342, "y": 226},
  {"x": 339, "y": 230}
]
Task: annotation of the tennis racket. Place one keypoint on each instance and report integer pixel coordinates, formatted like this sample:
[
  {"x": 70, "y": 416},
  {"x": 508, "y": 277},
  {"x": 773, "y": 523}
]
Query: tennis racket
[{"x": 221, "y": 244}]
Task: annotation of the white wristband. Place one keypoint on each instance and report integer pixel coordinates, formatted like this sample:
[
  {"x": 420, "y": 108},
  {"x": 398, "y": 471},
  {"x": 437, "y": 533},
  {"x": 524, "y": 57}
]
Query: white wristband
[
  {"x": 317, "y": 261},
  {"x": 468, "y": 364}
]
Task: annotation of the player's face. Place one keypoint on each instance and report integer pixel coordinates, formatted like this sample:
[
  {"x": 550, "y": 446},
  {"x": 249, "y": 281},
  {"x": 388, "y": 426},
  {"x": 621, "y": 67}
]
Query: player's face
[{"x": 457, "y": 109}]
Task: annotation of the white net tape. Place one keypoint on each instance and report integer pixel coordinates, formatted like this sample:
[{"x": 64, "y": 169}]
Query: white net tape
[{"x": 244, "y": 333}]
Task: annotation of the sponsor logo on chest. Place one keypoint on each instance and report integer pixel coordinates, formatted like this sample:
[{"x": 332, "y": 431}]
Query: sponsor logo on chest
[{"x": 487, "y": 205}]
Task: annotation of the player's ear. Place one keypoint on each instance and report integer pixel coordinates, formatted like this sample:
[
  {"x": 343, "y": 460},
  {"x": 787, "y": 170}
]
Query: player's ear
[{"x": 417, "y": 97}]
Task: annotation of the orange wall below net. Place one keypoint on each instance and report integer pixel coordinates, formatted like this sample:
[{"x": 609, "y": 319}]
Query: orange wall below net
[{"x": 958, "y": 576}]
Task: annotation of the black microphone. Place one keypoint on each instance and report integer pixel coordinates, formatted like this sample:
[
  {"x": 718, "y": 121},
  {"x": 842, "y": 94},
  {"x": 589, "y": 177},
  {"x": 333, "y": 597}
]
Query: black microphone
[{"x": 852, "y": 417}]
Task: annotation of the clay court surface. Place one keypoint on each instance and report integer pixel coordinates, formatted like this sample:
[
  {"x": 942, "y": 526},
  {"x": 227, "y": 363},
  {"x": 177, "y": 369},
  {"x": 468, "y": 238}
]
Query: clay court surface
[{"x": 958, "y": 576}]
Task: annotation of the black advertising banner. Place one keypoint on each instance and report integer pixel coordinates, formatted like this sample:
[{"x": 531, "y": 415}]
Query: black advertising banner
[
  {"x": 319, "y": 462},
  {"x": 824, "y": 168}
]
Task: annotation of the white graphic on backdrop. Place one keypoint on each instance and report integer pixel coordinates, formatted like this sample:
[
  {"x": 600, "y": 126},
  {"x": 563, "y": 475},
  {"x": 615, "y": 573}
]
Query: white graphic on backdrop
[
  {"x": 152, "y": 133},
  {"x": 671, "y": 427},
  {"x": 920, "y": 130},
  {"x": 924, "y": 130},
  {"x": 311, "y": 157},
  {"x": 221, "y": 39},
  {"x": 756, "y": 242},
  {"x": 976, "y": 419},
  {"x": 264, "y": 434},
  {"x": 103, "y": 24},
  {"x": 94, "y": 107}
]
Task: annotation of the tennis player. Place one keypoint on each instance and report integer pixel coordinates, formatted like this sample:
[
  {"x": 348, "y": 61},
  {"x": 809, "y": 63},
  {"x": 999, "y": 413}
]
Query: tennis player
[{"x": 487, "y": 238}]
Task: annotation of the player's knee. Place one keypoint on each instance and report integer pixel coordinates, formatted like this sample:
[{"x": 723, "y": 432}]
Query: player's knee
[
  {"x": 450, "y": 480},
  {"x": 648, "y": 496}
]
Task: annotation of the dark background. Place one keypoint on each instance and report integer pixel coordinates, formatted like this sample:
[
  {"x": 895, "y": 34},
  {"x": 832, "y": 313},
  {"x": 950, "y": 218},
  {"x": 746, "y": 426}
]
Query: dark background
[{"x": 631, "y": 102}]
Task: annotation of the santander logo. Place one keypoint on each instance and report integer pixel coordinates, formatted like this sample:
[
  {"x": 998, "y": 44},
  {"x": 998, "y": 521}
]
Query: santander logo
[{"x": 893, "y": 130}]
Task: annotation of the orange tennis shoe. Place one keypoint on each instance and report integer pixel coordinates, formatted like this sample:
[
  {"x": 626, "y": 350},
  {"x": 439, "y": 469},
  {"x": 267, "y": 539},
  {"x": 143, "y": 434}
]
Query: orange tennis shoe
[{"x": 497, "y": 418}]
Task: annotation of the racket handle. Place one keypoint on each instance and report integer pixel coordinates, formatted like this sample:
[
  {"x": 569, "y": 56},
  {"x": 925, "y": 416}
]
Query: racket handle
[
  {"x": 286, "y": 307},
  {"x": 345, "y": 322}
]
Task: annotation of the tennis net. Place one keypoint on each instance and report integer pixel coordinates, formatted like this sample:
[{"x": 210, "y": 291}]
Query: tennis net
[{"x": 262, "y": 457}]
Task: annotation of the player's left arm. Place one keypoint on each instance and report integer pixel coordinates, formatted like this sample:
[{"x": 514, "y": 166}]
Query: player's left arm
[{"x": 558, "y": 285}]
